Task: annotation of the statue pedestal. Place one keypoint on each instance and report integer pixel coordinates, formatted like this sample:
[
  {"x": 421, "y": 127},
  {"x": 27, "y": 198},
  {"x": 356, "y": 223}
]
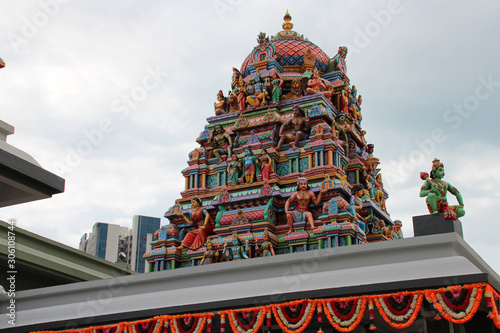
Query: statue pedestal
[{"x": 424, "y": 225}]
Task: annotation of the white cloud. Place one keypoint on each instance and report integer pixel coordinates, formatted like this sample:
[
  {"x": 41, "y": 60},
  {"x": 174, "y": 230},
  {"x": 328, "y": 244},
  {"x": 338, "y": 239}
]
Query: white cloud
[{"x": 64, "y": 80}]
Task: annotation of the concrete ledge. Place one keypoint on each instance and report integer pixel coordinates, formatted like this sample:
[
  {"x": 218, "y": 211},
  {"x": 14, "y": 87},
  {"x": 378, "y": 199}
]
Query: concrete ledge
[{"x": 425, "y": 225}]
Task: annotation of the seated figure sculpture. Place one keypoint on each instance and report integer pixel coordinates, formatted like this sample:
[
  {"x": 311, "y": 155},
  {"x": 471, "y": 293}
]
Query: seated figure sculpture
[
  {"x": 316, "y": 85},
  {"x": 300, "y": 128},
  {"x": 221, "y": 142},
  {"x": 257, "y": 93},
  {"x": 435, "y": 189},
  {"x": 304, "y": 196},
  {"x": 220, "y": 105},
  {"x": 202, "y": 223}
]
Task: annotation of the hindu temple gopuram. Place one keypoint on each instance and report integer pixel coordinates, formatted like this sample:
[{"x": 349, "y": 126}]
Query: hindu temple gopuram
[
  {"x": 282, "y": 226},
  {"x": 283, "y": 163}
]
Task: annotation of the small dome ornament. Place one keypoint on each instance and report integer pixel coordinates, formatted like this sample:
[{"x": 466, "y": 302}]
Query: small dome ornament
[{"x": 287, "y": 25}]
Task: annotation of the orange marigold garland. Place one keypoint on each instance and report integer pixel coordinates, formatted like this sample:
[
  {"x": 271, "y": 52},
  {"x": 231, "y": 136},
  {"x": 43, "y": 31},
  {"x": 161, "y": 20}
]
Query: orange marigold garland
[
  {"x": 371, "y": 312},
  {"x": 346, "y": 313},
  {"x": 457, "y": 304},
  {"x": 189, "y": 323},
  {"x": 246, "y": 320},
  {"x": 295, "y": 316},
  {"x": 222, "y": 322},
  {"x": 152, "y": 325},
  {"x": 400, "y": 309},
  {"x": 319, "y": 310},
  {"x": 493, "y": 302}
]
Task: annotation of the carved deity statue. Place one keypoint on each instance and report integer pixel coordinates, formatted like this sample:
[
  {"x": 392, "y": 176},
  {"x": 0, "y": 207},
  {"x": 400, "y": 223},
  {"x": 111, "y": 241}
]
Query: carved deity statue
[
  {"x": 257, "y": 92},
  {"x": 221, "y": 142},
  {"x": 300, "y": 128},
  {"x": 304, "y": 196},
  {"x": 316, "y": 85},
  {"x": 435, "y": 189},
  {"x": 220, "y": 105}
]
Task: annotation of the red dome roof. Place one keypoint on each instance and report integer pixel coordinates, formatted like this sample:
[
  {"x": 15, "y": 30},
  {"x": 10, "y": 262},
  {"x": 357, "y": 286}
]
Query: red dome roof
[{"x": 290, "y": 49}]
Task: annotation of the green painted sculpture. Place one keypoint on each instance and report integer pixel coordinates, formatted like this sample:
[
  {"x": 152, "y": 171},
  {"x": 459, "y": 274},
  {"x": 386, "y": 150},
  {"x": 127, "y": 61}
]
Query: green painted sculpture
[{"x": 435, "y": 189}]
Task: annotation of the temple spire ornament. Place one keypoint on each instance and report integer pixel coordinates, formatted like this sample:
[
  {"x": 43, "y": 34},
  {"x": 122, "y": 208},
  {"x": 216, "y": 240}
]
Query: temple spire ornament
[{"x": 287, "y": 25}]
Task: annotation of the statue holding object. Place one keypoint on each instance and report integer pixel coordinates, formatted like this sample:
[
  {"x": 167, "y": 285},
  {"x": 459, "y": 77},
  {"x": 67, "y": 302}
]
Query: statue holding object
[
  {"x": 238, "y": 252},
  {"x": 251, "y": 163},
  {"x": 304, "y": 196},
  {"x": 435, "y": 189}
]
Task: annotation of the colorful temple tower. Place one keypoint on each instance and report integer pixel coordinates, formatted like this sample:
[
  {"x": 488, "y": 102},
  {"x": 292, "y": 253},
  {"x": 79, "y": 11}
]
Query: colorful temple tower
[{"x": 283, "y": 165}]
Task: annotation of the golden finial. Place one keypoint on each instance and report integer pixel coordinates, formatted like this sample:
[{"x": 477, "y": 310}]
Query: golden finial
[{"x": 287, "y": 25}]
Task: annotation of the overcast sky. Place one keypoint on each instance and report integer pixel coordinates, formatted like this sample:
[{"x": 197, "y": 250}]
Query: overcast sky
[{"x": 112, "y": 95}]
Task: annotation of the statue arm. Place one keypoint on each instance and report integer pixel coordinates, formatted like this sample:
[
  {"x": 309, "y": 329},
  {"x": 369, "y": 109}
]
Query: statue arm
[
  {"x": 290, "y": 200},
  {"x": 457, "y": 194},
  {"x": 320, "y": 196},
  {"x": 188, "y": 220},
  {"x": 425, "y": 190},
  {"x": 321, "y": 83},
  {"x": 207, "y": 219},
  {"x": 203, "y": 259},
  {"x": 229, "y": 140},
  {"x": 307, "y": 124},
  {"x": 285, "y": 126}
]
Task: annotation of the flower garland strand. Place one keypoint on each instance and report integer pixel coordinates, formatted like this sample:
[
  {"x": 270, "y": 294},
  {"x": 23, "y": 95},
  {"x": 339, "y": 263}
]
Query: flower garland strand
[
  {"x": 355, "y": 316},
  {"x": 319, "y": 309},
  {"x": 306, "y": 306},
  {"x": 152, "y": 325},
  {"x": 194, "y": 327},
  {"x": 436, "y": 297},
  {"x": 371, "y": 312},
  {"x": 258, "y": 315},
  {"x": 402, "y": 320},
  {"x": 491, "y": 296},
  {"x": 457, "y": 304}
]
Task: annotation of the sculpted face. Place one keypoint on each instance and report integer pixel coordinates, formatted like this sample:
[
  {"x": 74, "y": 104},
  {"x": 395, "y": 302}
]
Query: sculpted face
[
  {"x": 248, "y": 152},
  {"x": 234, "y": 157},
  {"x": 218, "y": 129},
  {"x": 195, "y": 203},
  {"x": 439, "y": 172},
  {"x": 303, "y": 185},
  {"x": 296, "y": 112}
]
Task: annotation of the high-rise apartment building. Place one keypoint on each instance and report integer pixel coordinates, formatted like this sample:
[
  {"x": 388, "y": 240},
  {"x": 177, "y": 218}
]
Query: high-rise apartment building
[
  {"x": 121, "y": 244},
  {"x": 142, "y": 226}
]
